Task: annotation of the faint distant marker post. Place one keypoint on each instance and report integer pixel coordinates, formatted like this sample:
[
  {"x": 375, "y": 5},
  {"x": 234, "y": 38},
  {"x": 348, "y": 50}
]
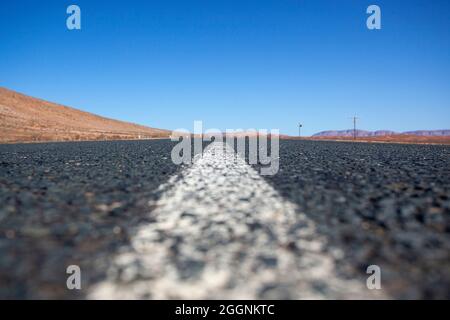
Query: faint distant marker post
[
  {"x": 73, "y": 22},
  {"x": 374, "y": 20}
]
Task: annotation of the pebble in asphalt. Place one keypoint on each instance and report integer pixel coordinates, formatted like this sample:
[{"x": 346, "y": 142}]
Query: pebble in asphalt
[
  {"x": 85, "y": 203},
  {"x": 221, "y": 231}
]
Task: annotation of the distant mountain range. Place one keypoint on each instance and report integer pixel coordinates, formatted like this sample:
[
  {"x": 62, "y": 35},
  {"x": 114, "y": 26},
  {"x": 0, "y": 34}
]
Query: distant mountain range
[{"x": 378, "y": 133}]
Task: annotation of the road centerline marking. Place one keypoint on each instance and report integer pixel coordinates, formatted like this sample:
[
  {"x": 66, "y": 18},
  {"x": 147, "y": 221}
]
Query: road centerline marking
[{"x": 222, "y": 231}]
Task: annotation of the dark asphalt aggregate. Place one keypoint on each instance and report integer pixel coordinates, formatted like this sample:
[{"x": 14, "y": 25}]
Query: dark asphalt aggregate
[
  {"x": 79, "y": 203},
  {"x": 72, "y": 203},
  {"x": 382, "y": 204}
]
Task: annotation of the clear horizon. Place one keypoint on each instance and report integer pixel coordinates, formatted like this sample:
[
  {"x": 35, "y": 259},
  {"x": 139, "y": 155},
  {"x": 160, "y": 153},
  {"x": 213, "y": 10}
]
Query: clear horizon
[{"x": 235, "y": 64}]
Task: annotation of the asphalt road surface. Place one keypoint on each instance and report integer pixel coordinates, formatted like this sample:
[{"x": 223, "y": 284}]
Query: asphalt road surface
[{"x": 139, "y": 226}]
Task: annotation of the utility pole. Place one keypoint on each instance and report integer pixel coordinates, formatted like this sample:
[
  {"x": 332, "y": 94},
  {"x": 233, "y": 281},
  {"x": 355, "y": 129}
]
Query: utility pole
[
  {"x": 300, "y": 129},
  {"x": 354, "y": 126}
]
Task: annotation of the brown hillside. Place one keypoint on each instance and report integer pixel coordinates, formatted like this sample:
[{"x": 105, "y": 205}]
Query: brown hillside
[{"x": 27, "y": 119}]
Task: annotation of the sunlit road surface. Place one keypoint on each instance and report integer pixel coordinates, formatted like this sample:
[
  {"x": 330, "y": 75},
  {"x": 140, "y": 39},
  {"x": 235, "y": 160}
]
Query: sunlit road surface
[{"x": 141, "y": 227}]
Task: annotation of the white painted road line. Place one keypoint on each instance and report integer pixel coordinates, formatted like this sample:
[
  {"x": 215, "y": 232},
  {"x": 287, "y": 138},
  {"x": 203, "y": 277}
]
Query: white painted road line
[{"x": 222, "y": 231}]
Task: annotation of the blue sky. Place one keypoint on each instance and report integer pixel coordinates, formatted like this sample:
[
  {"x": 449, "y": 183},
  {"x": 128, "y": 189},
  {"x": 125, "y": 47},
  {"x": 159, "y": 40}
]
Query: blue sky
[{"x": 235, "y": 64}]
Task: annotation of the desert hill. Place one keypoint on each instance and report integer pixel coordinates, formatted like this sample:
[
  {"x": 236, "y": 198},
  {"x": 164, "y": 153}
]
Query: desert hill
[{"x": 27, "y": 119}]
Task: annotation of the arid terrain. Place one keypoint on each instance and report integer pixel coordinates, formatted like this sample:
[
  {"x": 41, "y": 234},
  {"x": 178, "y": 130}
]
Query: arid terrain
[
  {"x": 395, "y": 138},
  {"x": 386, "y": 136},
  {"x": 27, "y": 119}
]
